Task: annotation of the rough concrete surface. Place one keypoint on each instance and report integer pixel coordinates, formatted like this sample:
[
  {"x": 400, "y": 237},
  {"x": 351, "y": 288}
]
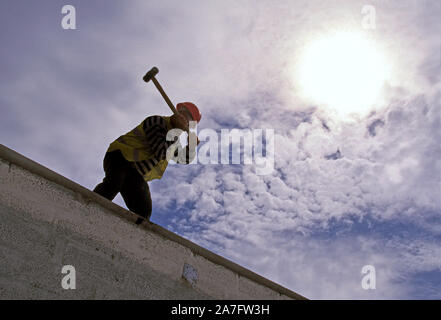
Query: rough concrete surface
[{"x": 48, "y": 221}]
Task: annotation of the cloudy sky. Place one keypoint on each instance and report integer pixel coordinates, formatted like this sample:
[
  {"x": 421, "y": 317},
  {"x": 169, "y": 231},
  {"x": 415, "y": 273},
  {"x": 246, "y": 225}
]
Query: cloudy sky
[{"x": 345, "y": 192}]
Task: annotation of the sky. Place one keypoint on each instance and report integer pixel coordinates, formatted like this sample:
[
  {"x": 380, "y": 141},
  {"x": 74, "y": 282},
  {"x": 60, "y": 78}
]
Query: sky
[{"x": 343, "y": 193}]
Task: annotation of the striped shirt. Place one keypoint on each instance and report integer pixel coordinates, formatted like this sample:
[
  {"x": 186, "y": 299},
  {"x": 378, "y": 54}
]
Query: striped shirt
[{"x": 155, "y": 131}]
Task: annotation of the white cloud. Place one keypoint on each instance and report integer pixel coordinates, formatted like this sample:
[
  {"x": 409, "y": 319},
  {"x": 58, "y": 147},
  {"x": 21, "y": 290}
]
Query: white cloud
[{"x": 242, "y": 213}]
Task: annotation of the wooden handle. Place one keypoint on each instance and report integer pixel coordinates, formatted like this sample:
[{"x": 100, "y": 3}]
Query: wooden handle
[{"x": 170, "y": 104}]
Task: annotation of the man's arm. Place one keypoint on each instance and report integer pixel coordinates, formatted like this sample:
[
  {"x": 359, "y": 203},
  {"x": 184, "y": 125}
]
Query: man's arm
[
  {"x": 190, "y": 150},
  {"x": 155, "y": 130}
]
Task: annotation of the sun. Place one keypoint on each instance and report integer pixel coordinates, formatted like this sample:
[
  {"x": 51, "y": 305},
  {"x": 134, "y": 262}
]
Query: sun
[{"x": 344, "y": 72}]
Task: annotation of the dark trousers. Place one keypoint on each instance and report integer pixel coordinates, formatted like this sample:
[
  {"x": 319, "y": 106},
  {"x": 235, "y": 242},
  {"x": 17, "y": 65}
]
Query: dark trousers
[{"x": 122, "y": 177}]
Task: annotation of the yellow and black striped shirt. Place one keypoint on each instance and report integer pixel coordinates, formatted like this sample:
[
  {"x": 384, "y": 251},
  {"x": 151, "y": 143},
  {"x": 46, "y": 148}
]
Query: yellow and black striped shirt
[{"x": 155, "y": 130}]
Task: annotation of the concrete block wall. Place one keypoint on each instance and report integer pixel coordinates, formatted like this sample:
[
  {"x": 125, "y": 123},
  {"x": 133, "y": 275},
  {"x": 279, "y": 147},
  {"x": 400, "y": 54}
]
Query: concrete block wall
[{"x": 48, "y": 221}]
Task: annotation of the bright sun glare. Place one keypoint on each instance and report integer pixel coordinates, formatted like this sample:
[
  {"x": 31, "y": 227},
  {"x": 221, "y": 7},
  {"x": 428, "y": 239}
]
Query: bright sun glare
[{"x": 344, "y": 72}]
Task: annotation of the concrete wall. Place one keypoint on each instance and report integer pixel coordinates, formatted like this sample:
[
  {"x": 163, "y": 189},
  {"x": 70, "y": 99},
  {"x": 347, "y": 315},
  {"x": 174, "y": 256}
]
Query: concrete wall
[{"x": 48, "y": 221}]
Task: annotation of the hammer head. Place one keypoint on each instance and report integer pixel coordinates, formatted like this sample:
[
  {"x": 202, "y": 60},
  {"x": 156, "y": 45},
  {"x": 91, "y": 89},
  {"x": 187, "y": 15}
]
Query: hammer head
[{"x": 149, "y": 75}]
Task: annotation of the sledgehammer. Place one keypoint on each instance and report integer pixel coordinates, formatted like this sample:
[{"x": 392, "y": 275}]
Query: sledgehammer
[{"x": 151, "y": 76}]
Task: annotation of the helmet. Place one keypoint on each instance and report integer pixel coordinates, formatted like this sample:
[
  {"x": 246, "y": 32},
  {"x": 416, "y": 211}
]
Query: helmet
[{"x": 194, "y": 111}]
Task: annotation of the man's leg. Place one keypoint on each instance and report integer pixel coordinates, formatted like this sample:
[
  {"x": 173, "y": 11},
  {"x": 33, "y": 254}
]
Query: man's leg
[
  {"x": 116, "y": 171},
  {"x": 136, "y": 194}
]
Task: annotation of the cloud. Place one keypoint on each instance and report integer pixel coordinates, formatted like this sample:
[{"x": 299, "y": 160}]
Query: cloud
[{"x": 390, "y": 177}]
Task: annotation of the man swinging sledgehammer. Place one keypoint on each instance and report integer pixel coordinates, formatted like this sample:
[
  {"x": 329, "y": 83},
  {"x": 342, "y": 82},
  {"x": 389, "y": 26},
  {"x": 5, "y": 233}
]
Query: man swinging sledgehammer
[{"x": 139, "y": 156}]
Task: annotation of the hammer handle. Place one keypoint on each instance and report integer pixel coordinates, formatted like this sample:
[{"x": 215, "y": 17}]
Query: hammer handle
[{"x": 170, "y": 104}]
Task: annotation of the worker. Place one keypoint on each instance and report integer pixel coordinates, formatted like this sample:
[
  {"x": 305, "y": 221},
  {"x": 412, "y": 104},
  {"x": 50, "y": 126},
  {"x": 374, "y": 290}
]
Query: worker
[{"x": 140, "y": 156}]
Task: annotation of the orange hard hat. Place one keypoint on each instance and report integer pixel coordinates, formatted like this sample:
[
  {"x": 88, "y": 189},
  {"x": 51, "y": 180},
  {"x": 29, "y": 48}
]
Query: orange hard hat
[{"x": 191, "y": 107}]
